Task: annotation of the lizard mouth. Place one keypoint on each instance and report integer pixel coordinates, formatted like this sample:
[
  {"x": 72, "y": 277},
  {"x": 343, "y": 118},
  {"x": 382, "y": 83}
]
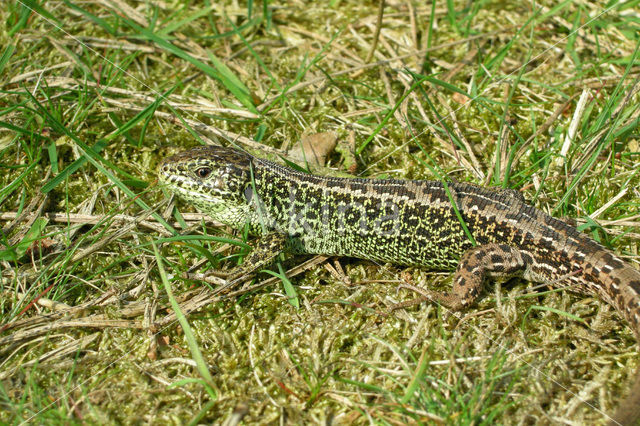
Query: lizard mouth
[{"x": 191, "y": 193}]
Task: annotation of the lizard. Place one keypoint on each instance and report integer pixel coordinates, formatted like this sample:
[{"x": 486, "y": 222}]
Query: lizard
[{"x": 478, "y": 232}]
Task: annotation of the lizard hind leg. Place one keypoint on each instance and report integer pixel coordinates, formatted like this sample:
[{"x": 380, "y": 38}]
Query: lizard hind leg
[{"x": 476, "y": 265}]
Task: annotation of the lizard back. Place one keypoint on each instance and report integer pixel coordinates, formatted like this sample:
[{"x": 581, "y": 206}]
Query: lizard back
[{"x": 414, "y": 223}]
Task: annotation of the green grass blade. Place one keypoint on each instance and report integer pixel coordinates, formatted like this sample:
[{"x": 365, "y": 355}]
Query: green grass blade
[
  {"x": 174, "y": 26},
  {"x": 201, "y": 365},
  {"x": 26, "y": 8},
  {"x": 6, "y": 55},
  {"x": 95, "y": 19},
  {"x": 33, "y": 234},
  {"x": 102, "y": 143},
  {"x": 180, "y": 238},
  {"x": 4, "y": 192},
  {"x": 233, "y": 83},
  {"x": 72, "y": 168},
  {"x": 390, "y": 114},
  {"x": 417, "y": 379},
  {"x": 219, "y": 72},
  {"x": 98, "y": 161},
  {"x": 289, "y": 289}
]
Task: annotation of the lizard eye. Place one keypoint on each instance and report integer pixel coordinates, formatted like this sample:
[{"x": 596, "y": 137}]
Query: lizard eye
[{"x": 203, "y": 172}]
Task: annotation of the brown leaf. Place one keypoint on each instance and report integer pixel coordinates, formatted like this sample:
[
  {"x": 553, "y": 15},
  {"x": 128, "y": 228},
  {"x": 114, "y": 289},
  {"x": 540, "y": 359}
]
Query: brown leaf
[{"x": 314, "y": 149}]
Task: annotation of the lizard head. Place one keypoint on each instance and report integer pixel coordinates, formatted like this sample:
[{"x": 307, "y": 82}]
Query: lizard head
[{"x": 216, "y": 180}]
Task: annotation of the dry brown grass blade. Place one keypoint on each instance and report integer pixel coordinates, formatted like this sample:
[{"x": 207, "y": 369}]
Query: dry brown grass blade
[
  {"x": 376, "y": 34},
  {"x": 376, "y": 64},
  {"x": 53, "y": 355},
  {"x": 92, "y": 321},
  {"x": 544, "y": 128},
  {"x": 91, "y": 219}
]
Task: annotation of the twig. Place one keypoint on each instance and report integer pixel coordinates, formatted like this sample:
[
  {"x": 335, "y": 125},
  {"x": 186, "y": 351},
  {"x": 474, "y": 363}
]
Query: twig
[{"x": 376, "y": 35}]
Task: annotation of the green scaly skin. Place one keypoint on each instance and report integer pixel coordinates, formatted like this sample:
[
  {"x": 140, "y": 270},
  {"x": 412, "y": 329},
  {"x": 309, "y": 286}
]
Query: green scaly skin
[{"x": 407, "y": 223}]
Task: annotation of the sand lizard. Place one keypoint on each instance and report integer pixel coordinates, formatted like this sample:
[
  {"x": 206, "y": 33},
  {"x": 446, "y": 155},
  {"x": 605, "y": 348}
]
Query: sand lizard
[{"x": 406, "y": 222}]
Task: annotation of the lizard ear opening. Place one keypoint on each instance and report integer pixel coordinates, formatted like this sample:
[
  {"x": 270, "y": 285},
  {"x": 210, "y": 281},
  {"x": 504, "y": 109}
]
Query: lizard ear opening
[{"x": 248, "y": 193}]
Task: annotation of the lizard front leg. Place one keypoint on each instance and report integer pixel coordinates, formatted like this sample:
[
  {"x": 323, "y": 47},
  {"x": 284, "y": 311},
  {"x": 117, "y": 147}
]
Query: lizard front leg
[{"x": 265, "y": 251}]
